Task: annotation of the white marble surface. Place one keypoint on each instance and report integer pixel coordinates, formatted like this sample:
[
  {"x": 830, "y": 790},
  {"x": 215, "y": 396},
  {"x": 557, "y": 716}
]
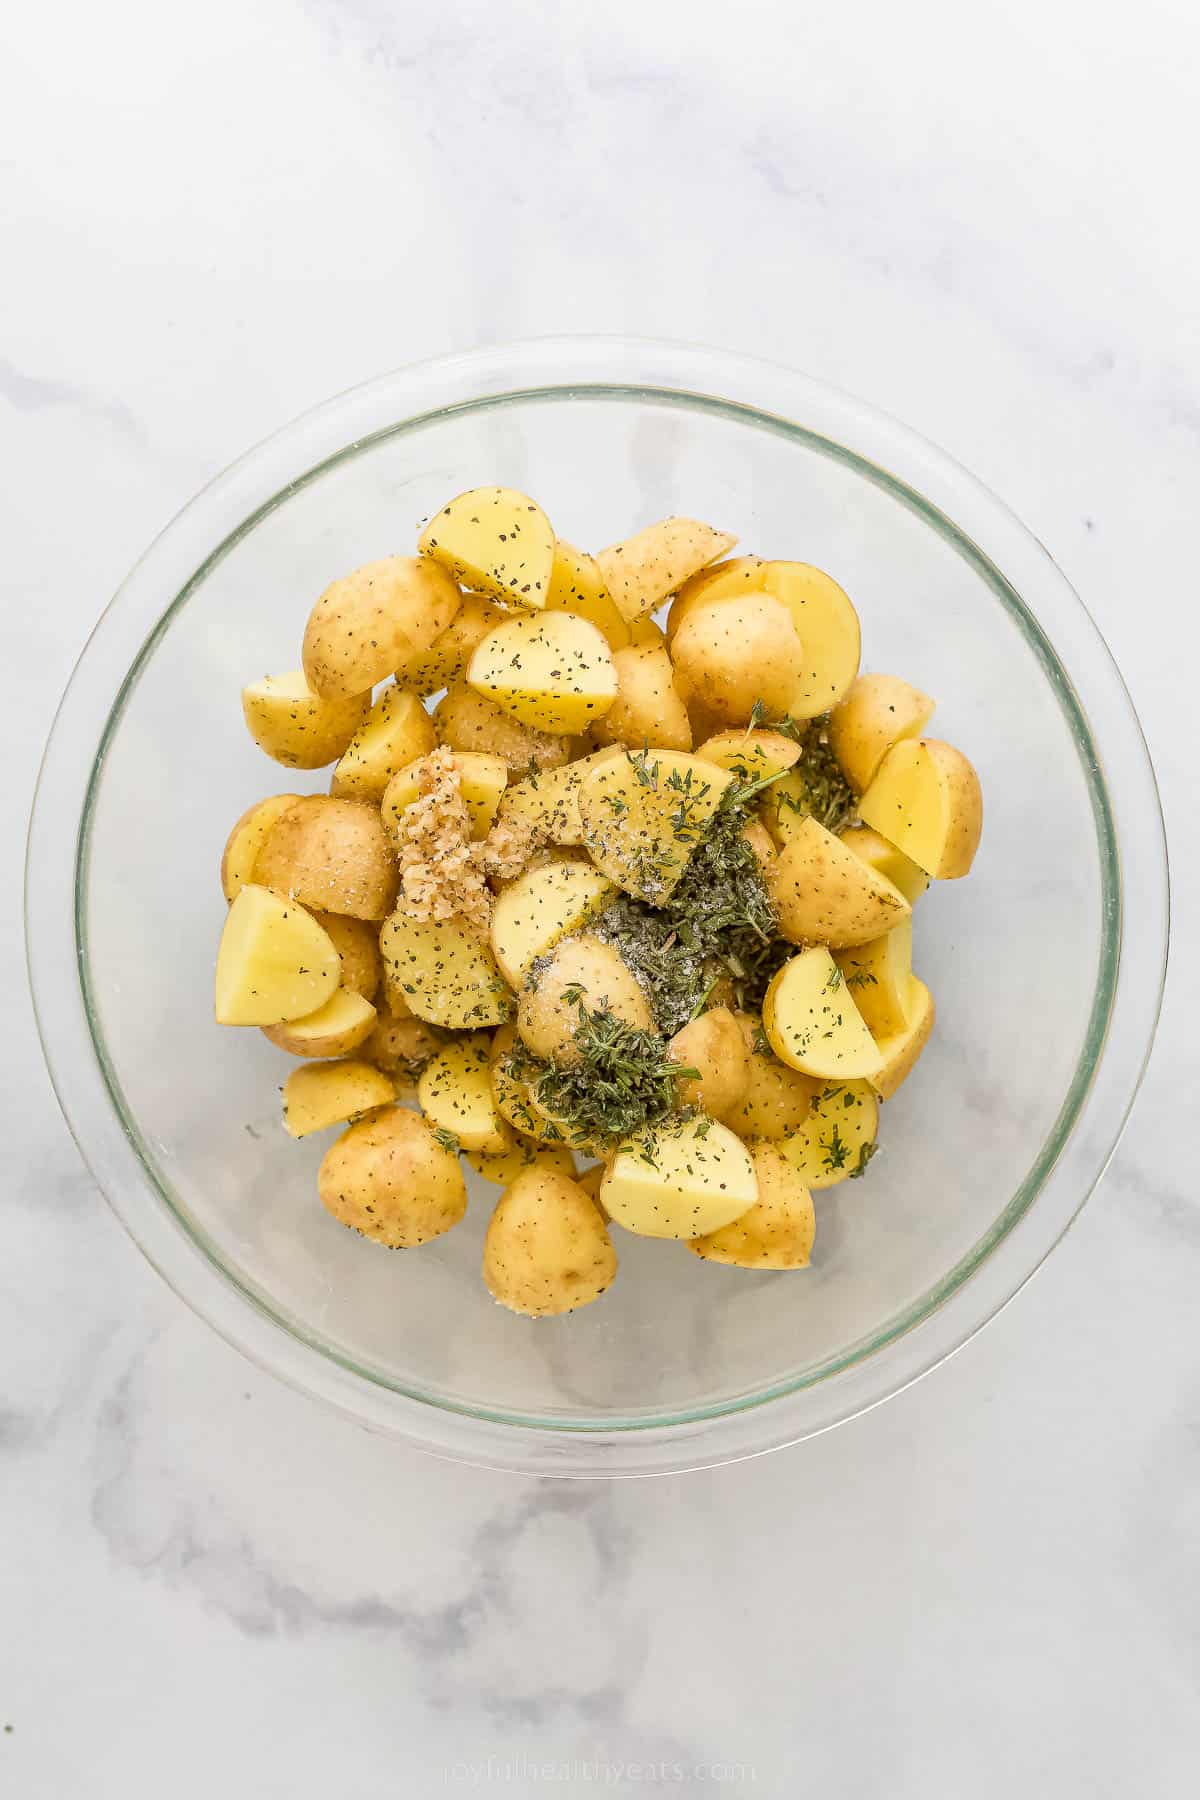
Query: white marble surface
[{"x": 984, "y": 219}]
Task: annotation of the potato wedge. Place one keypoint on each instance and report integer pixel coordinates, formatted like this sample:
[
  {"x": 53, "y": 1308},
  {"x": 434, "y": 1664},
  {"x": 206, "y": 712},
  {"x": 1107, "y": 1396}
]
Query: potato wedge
[
  {"x": 482, "y": 782},
  {"x": 513, "y": 1098},
  {"x": 547, "y": 1250},
  {"x": 778, "y": 1230},
  {"x": 246, "y": 840},
  {"x": 297, "y": 727},
  {"x": 879, "y": 974},
  {"x": 344, "y": 1023},
  {"x": 496, "y": 541},
  {"x": 648, "y": 708},
  {"x": 823, "y": 893},
  {"x": 553, "y": 672},
  {"x": 777, "y": 1099},
  {"x": 425, "y": 672},
  {"x": 331, "y": 854},
  {"x": 714, "y": 1045},
  {"x": 577, "y": 586},
  {"x": 899, "y": 869},
  {"x": 751, "y": 755},
  {"x": 828, "y": 628},
  {"x": 547, "y": 801},
  {"x": 812, "y": 1022},
  {"x": 732, "y": 579},
  {"x": 877, "y": 712},
  {"x": 926, "y": 800},
  {"x": 837, "y": 1139},
  {"x": 542, "y": 906},
  {"x": 365, "y": 625},
  {"x": 503, "y": 1166},
  {"x": 446, "y": 972},
  {"x": 761, "y": 842},
  {"x": 580, "y": 974},
  {"x": 736, "y": 654},
  {"x": 640, "y": 572},
  {"x": 899, "y": 1053},
  {"x": 329, "y": 1093},
  {"x": 274, "y": 961},
  {"x": 465, "y": 720},
  {"x": 390, "y": 1179},
  {"x": 644, "y": 813},
  {"x": 646, "y": 631},
  {"x": 357, "y": 944},
  {"x": 395, "y": 732},
  {"x": 455, "y": 1092},
  {"x": 680, "y": 1181}
]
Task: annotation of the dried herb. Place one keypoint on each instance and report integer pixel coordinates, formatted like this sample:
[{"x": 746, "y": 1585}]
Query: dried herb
[
  {"x": 815, "y": 784},
  {"x": 622, "y": 1082}
]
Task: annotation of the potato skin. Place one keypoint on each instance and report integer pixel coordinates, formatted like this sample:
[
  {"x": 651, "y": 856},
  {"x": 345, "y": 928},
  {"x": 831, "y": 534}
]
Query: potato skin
[
  {"x": 366, "y": 624},
  {"x": 778, "y": 1230},
  {"x": 424, "y": 672},
  {"x": 648, "y": 708},
  {"x": 547, "y": 1250},
  {"x": 357, "y": 944},
  {"x": 389, "y": 1178},
  {"x": 332, "y": 855},
  {"x": 734, "y": 578},
  {"x": 823, "y": 893},
  {"x": 299, "y": 728},
  {"x": 400, "y": 1047},
  {"x": 714, "y": 1044},
  {"x": 335, "y": 1029},
  {"x": 733, "y": 653},
  {"x": 878, "y": 711},
  {"x": 240, "y": 855},
  {"x": 901, "y": 1052},
  {"x": 396, "y": 731},
  {"x": 547, "y": 1020},
  {"x": 777, "y": 1099},
  {"x": 465, "y": 720},
  {"x": 643, "y": 569}
]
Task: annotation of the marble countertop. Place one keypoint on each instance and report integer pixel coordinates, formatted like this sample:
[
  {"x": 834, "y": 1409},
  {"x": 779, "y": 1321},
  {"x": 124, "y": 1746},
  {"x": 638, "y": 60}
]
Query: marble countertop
[{"x": 985, "y": 223}]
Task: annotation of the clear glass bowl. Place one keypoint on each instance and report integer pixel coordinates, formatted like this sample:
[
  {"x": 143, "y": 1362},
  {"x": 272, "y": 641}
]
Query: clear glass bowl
[{"x": 1047, "y": 964}]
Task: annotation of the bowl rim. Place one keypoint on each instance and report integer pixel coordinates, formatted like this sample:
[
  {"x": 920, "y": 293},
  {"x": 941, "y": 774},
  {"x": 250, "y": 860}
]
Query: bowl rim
[{"x": 1126, "y": 811}]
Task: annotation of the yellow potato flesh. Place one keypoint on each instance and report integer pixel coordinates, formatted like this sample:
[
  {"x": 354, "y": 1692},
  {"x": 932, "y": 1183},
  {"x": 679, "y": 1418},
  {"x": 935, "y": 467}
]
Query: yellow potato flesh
[
  {"x": 539, "y": 908},
  {"x": 835, "y": 1140},
  {"x": 878, "y": 711},
  {"x": 644, "y": 813},
  {"x": 554, "y": 672},
  {"x": 274, "y": 961},
  {"x": 649, "y": 709},
  {"x": 738, "y": 575},
  {"x": 828, "y": 628},
  {"x": 513, "y": 1098},
  {"x": 926, "y": 800},
  {"x": 483, "y": 780},
  {"x": 503, "y": 1166},
  {"x": 547, "y": 1250},
  {"x": 465, "y": 720},
  {"x": 297, "y": 727},
  {"x": 497, "y": 541},
  {"x": 341, "y": 1025},
  {"x": 577, "y": 586},
  {"x": 548, "y": 802},
  {"x": 424, "y": 672},
  {"x": 891, "y": 863},
  {"x": 247, "y": 839},
  {"x": 822, "y": 893},
  {"x": 324, "y": 1094},
  {"x": 445, "y": 971},
  {"x": 455, "y": 1093},
  {"x": 366, "y": 624},
  {"x": 777, "y": 1099},
  {"x": 878, "y": 974},
  {"x": 751, "y": 755},
  {"x": 778, "y": 1230},
  {"x": 679, "y": 1181},
  {"x": 643, "y": 570},
  {"x": 396, "y": 731},
  {"x": 899, "y": 1053},
  {"x": 812, "y": 1022}
]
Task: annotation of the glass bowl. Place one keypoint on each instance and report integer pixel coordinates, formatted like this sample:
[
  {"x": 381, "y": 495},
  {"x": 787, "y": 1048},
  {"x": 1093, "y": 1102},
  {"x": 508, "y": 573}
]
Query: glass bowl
[{"x": 1047, "y": 964}]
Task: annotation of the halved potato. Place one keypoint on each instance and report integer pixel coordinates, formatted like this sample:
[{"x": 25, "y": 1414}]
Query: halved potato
[
  {"x": 274, "y": 961},
  {"x": 732, "y": 579},
  {"x": 465, "y": 720},
  {"x": 483, "y": 780},
  {"x": 640, "y": 572},
  {"x": 548, "y": 799},
  {"x": 365, "y": 625},
  {"x": 827, "y": 626},
  {"x": 503, "y": 1166},
  {"x": 580, "y": 974},
  {"x": 812, "y": 1022},
  {"x": 644, "y": 813},
  {"x": 899, "y": 869},
  {"x": 396, "y": 731},
  {"x": 324, "y": 1094},
  {"x": 547, "y": 1250},
  {"x": 712, "y": 1044},
  {"x": 899, "y": 1053},
  {"x": 496, "y": 541},
  {"x": 247, "y": 839},
  {"x": 751, "y": 755},
  {"x": 778, "y": 1230},
  {"x": 836, "y": 1139},
  {"x": 542, "y": 906},
  {"x": 401, "y": 1047},
  {"x": 878, "y": 711},
  {"x": 926, "y": 800},
  {"x": 331, "y": 854},
  {"x": 736, "y": 654},
  {"x": 445, "y": 970},
  {"x": 455, "y": 1092},
  {"x": 577, "y": 586},
  {"x": 297, "y": 727},
  {"x": 823, "y": 893},
  {"x": 341, "y": 1025},
  {"x": 424, "y": 672},
  {"x": 553, "y": 671},
  {"x": 357, "y": 944},
  {"x": 390, "y": 1179},
  {"x": 648, "y": 708},
  {"x": 879, "y": 974},
  {"x": 777, "y": 1099},
  {"x": 513, "y": 1098},
  {"x": 681, "y": 1180}
]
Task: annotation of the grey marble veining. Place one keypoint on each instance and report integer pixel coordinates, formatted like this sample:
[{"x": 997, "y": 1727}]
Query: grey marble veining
[{"x": 980, "y": 220}]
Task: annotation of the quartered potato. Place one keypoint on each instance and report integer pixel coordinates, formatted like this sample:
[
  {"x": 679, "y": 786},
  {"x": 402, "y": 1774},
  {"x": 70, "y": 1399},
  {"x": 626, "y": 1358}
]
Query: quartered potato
[
  {"x": 542, "y": 906},
  {"x": 425, "y": 672},
  {"x": 926, "y": 800},
  {"x": 482, "y": 782},
  {"x": 247, "y": 839},
  {"x": 324, "y": 1094},
  {"x": 837, "y": 1139},
  {"x": 335, "y": 1029},
  {"x": 357, "y": 944},
  {"x": 778, "y": 1230},
  {"x": 513, "y": 1099},
  {"x": 680, "y": 1180},
  {"x": 395, "y": 732},
  {"x": 751, "y": 755},
  {"x": 519, "y": 1154},
  {"x": 547, "y": 801},
  {"x": 812, "y": 1022},
  {"x": 899, "y": 869},
  {"x": 777, "y": 1099},
  {"x": 878, "y": 711},
  {"x": 331, "y": 854},
  {"x": 364, "y": 625},
  {"x": 879, "y": 974},
  {"x": 644, "y": 813},
  {"x": 547, "y": 1250},
  {"x": 496, "y": 541},
  {"x": 455, "y": 1092},
  {"x": 554, "y": 672},
  {"x": 445, "y": 970},
  {"x": 401, "y": 1047},
  {"x": 736, "y": 654},
  {"x": 827, "y": 626},
  {"x": 643, "y": 570},
  {"x": 734, "y": 578},
  {"x": 714, "y": 1046},
  {"x": 822, "y": 893},
  {"x": 465, "y": 720},
  {"x": 580, "y": 974},
  {"x": 297, "y": 727},
  {"x": 648, "y": 709},
  {"x": 274, "y": 961},
  {"x": 390, "y": 1179},
  {"x": 577, "y": 586},
  {"x": 899, "y": 1052}
]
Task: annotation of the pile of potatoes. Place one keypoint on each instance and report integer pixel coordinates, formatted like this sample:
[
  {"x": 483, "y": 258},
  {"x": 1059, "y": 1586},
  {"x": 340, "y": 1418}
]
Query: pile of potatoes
[{"x": 609, "y": 741}]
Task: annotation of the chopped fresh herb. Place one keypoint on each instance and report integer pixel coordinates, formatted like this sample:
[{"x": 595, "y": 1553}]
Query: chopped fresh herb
[
  {"x": 866, "y": 1152},
  {"x": 835, "y": 1151},
  {"x": 862, "y": 978},
  {"x": 816, "y": 782},
  {"x": 447, "y": 1140},
  {"x": 622, "y": 1082}
]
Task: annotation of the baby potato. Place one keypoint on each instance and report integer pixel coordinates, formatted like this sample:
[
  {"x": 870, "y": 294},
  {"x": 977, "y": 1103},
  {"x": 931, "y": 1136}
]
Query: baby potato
[
  {"x": 812, "y": 1022},
  {"x": 445, "y": 970},
  {"x": 577, "y": 586},
  {"x": 482, "y": 782},
  {"x": 778, "y": 1230},
  {"x": 547, "y": 801},
  {"x": 581, "y": 974},
  {"x": 465, "y": 720},
  {"x": 926, "y": 800},
  {"x": 879, "y": 974},
  {"x": 645, "y": 631},
  {"x": 247, "y": 839},
  {"x": 396, "y": 731},
  {"x": 513, "y": 1099},
  {"x": 547, "y": 1250},
  {"x": 899, "y": 869},
  {"x": 590, "y": 1181},
  {"x": 827, "y": 626},
  {"x": 274, "y": 961},
  {"x": 503, "y": 1166},
  {"x": 329, "y": 1093},
  {"x": 357, "y": 944},
  {"x": 425, "y": 672},
  {"x": 750, "y": 755},
  {"x": 297, "y": 727},
  {"x": 644, "y": 813},
  {"x": 735, "y": 653},
  {"x": 732, "y": 579},
  {"x": 878, "y": 711},
  {"x": 648, "y": 708},
  {"x": 496, "y": 541},
  {"x": 823, "y": 893},
  {"x": 455, "y": 1092},
  {"x": 837, "y": 1139},
  {"x": 390, "y": 1179},
  {"x": 364, "y": 625},
  {"x": 899, "y": 1052},
  {"x": 680, "y": 1180},
  {"x": 401, "y": 1048},
  {"x": 331, "y": 854},
  {"x": 713, "y": 1044},
  {"x": 540, "y": 907},
  {"x": 777, "y": 1099},
  {"x": 554, "y": 672},
  {"x": 654, "y": 562},
  {"x": 344, "y": 1022}
]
